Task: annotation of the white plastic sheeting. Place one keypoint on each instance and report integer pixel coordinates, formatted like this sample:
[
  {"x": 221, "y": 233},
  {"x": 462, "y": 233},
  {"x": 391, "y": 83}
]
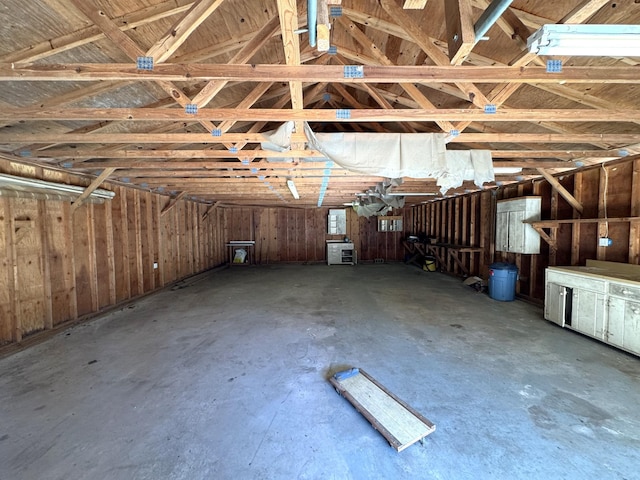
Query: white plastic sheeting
[{"x": 393, "y": 155}]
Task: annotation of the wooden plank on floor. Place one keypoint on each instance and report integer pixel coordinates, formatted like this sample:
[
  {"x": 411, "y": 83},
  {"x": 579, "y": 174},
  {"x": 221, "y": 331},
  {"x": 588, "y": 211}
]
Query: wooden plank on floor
[{"x": 400, "y": 424}]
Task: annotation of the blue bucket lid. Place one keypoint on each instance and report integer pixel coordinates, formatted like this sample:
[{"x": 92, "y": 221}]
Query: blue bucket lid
[{"x": 503, "y": 266}]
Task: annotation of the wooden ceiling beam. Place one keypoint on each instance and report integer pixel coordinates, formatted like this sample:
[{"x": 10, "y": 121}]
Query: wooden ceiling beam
[
  {"x": 288, "y": 14},
  {"x": 322, "y": 115},
  {"x": 382, "y": 59},
  {"x": 86, "y": 35},
  {"x": 243, "y": 56},
  {"x": 422, "y": 74},
  {"x": 133, "y": 51},
  {"x": 460, "y": 33},
  {"x": 78, "y": 154},
  {"x": 416, "y": 34},
  {"x": 6, "y": 138},
  {"x": 180, "y": 31}
]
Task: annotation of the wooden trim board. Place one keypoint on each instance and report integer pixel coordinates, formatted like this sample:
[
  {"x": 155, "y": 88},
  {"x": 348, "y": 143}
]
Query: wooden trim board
[{"x": 398, "y": 423}]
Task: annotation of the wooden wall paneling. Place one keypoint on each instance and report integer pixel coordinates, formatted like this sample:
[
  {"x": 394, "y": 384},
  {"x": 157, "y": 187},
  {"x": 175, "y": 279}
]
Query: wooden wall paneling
[
  {"x": 432, "y": 219},
  {"x": 159, "y": 241},
  {"x": 93, "y": 260},
  {"x": 487, "y": 227},
  {"x": 603, "y": 188},
  {"x": 121, "y": 244},
  {"x": 457, "y": 228},
  {"x": 9, "y": 326},
  {"x": 619, "y": 205},
  {"x": 83, "y": 263},
  {"x": 263, "y": 235},
  {"x": 101, "y": 243},
  {"x": 281, "y": 236},
  {"x": 194, "y": 254},
  {"x": 473, "y": 237},
  {"x": 293, "y": 242},
  {"x": 353, "y": 222},
  {"x": 110, "y": 254},
  {"x": 146, "y": 235},
  {"x": 589, "y": 231},
  {"x": 634, "y": 232},
  {"x": 45, "y": 228},
  {"x": 575, "y": 230},
  {"x": 175, "y": 263},
  {"x": 273, "y": 222},
  {"x": 30, "y": 275},
  {"x": 60, "y": 256},
  {"x": 187, "y": 239},
  {"x": 553, "y": 214},
  {"x": 310, "y": 235},
  {"x": 564, "y": 231},
  {"x": 135, "y": 239}
]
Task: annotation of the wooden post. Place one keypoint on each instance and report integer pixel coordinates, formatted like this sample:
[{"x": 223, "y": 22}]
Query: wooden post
[
  {"x": 575, "y": 228},
  {"x": 46, "y": 267},
  {"x": 110, "y": 253}
]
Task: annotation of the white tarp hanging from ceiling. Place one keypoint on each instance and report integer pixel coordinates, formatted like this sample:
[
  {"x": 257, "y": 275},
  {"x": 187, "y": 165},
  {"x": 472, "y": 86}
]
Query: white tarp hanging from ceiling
[{"x": 393, "y": 155}]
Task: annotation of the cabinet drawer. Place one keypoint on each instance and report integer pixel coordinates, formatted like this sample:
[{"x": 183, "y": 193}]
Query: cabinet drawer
[
  {"x": 574, "y": 281},
  {"x": 624, "y": 291}
]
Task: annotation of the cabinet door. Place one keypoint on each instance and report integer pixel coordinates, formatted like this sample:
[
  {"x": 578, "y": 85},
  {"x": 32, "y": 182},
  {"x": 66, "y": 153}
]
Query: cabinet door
[
  {"x": 588, "y": 313},
  {"x": 516, "y": 231},
  {"x": 623, "y": 328},
  {"x": 555, "y": 303},
  {"x": 502, "y": 231}
]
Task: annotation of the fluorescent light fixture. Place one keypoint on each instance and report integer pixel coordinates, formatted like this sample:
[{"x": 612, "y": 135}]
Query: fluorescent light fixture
[
  {"x": 12, "y": 182},
  {"x": 586, "y": 40},
  {"x": 507, "y": 170},
  {"x": 293, "y": 189}
]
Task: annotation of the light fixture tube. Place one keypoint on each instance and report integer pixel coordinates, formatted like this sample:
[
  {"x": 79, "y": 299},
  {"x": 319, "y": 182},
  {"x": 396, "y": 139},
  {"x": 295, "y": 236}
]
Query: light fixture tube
[
  {"x": 14, "y": 182},
  {"x": 293, "y": 189},
  {"x": 586, "y": 40}
]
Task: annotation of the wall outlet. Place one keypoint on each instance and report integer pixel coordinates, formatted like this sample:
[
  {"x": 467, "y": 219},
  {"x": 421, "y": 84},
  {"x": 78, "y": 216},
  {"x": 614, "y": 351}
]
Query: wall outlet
[
  {"x": 155, "y": 265},
  {"x": 604, "y": 242}
]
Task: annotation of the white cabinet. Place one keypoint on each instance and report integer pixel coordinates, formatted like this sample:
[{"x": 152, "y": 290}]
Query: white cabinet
[
  {"x": 512, "y": 235},
  {"x": 601, "y": 300},
  {"x": 337, "y": 222},
  {"x": 341, "y": 253},
  {"x": 624, "y": 316}
]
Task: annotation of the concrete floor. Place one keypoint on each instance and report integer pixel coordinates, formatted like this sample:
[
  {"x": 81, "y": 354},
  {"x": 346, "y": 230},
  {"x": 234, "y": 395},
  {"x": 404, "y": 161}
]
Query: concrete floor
[{"x": 226, "y": 379}]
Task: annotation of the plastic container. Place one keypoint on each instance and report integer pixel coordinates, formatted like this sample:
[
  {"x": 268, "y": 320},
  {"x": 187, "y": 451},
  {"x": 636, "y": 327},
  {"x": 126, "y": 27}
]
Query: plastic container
[
  {"x": 502, "y": 281},
  {"x": 429, "y": 264}
]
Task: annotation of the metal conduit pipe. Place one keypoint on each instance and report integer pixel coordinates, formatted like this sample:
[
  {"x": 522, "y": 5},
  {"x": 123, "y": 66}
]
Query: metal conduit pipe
[
  {"x": 489, "y": 17},
  {"x": 312, "y": 20}
]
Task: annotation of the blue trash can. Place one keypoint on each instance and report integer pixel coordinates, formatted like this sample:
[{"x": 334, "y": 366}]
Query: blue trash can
[{"x": 502, "y": 281}]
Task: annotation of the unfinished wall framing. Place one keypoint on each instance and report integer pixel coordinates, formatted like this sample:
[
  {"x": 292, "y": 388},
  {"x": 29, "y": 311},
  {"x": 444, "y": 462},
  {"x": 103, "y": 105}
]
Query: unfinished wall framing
[
  {"x": 610, "y": 190},
  {"x": 59, "y": 263}
]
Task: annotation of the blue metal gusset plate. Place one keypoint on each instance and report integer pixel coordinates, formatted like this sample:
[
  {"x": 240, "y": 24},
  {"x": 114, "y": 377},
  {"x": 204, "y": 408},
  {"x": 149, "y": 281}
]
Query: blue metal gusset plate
[
  {"x": 191, "y": 108},
  {"x": 343, "y": 113},
  {"x": 454, "y": 133},
  {"x": 353, "y": 71},
  {"x": 144, "y": 63},
  {"x": 216, "y": 132},
  {"x": 244, "y": 161},
  {"x": 333, "y": 50},
  {"x": 335, "y": 11},
  {"x": 554, "y": 66},
  {"x": 490, "y": 108},
  {"x": 233, "y": 149}
]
